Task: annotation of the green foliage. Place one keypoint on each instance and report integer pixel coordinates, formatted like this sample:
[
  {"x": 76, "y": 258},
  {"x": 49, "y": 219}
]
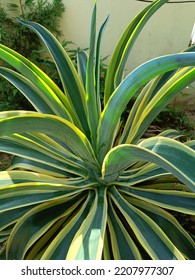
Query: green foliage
[
  {"x": 24, "y": 41},
  {"x": 21, "y": 39},
  {"x": 175, "y": 117},
  {"x": 81, "y": 184}
]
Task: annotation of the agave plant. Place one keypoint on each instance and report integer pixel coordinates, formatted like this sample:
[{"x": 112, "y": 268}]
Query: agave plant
[{"x": 83, "y": 184}]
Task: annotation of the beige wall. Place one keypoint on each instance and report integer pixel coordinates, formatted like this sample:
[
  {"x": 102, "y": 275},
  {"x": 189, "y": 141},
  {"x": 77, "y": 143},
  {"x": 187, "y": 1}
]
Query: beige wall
[{"x": 168, "y": 31}]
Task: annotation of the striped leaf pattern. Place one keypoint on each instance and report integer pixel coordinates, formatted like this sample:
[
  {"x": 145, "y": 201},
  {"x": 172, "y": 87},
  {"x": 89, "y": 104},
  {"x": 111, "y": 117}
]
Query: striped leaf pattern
[{"x": 81, "y": 185}]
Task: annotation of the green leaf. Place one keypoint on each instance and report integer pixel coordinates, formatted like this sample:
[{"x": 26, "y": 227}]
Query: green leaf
[
  {"x": 49, "y": 91},
  {"x": 171, "y": 133},
  {"x": 12, "y": 177},
  {"x": 124, "y": 46},
  {"x": 72, "y": 85},
  {"x": 125, "y": 91},
  {"x": 91, "y": 96},
  {"x": 44, "y": 168},
  {"x": 30, "y": 91},
  {"x": 82, "y": 65},
  {"x": 123, "y": 246},
  {"x": 53, "y": 126},
  {"x": 170, "y": 150},
  {"x": 191, "y": 144},
  {"x": 159, "y": 150},
  {"x": 148, "y": 233},
  {"x": 98, "y": 63},
  {"x": 147, "y": 111},
  {"x": 88, "y": 241},
  {"x": 169, "y": 225},
  {"x": 175, "y": 200},
  {"x": 25, "y": 194},
  {"x": 36, "y": 222},
  {"x": 42, "y": 146},
  {"x": 38, "y": 248},
  {"x": 71, "y": 192},
  {"x": 145, "y": 173},
  {"x": 39, "y": 155},
  {"x": 60, "y": 245},
  {"x": 10, "y": 217}
]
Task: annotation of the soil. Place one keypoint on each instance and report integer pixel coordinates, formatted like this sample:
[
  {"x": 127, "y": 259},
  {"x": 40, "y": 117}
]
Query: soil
[{"x": 5, "y": 161}]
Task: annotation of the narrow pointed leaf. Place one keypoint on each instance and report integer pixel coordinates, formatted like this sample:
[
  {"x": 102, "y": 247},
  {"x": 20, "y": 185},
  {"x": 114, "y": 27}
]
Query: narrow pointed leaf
[
  {"x": 170, "y": 225},
  {"x": 124, "y": 46},
  {"x": 36, "y": 76},
  {"x": 149, "y": 234},
  {"x": 34, "y": 223},
  {"x": 123, "y": 246},
  {"x": 41, "y": 157},
  {"x": 159, "y": 150},
  {"x": 183, "y": 202},
  {"x": 91, "y": 96},
  {"x": 123, "y": 94},
  {"x": 53, "y": 126},
  {"x": 98, "y": 63},
  {"x": 82, "y": 65},
  {"x": 147, "y": 173},
  {"x": 59, "y": 247},
  {"x": 25, "y": 194},
  {"x": 72, "y": 85},
  {"x": 28, "y": 89},
  {"x": 88, "y": 242},
  {"x": 12, "y": 177},
  {"x": 148, "y": 112}
]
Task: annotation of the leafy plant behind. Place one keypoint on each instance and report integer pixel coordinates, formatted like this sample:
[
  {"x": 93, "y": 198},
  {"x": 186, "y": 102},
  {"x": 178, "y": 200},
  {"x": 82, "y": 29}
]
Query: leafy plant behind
[
  {"x": 81, "y": 185},
  {"x": 24, "y": 41}
]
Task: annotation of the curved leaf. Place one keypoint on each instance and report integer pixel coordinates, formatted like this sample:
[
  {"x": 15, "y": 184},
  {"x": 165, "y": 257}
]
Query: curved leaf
[
  {"x": 12, "y": 177},
  {"x": 175, "y": 200},
  {"x": 159, "y": 150},
  {"x": 122, "y": 95},
  {"x": 69, "y": 77},
  {"x": 29, "y": 90},
  {"x": 25, "y": 194},
  {"x": 36, "y": 222},
  {"x": 149, "y": 234},
  {"x": 88, "y": 241},
  {"x": 37, "y": 156},
  {"x": 10, "y": 217},
  {"x": 59, "y": 247},
  {"x": 51, "y": 92},
  {"x": 169, "y": 225},
  {"x": 53, "y": 126},
  {"x": 147, "y": 173},
  {"x": 147, "y": 112},
  {"x": 123, "y": 246},
  {"x": 22, "y": 163},
  {"x": 124, "y": 46}
]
